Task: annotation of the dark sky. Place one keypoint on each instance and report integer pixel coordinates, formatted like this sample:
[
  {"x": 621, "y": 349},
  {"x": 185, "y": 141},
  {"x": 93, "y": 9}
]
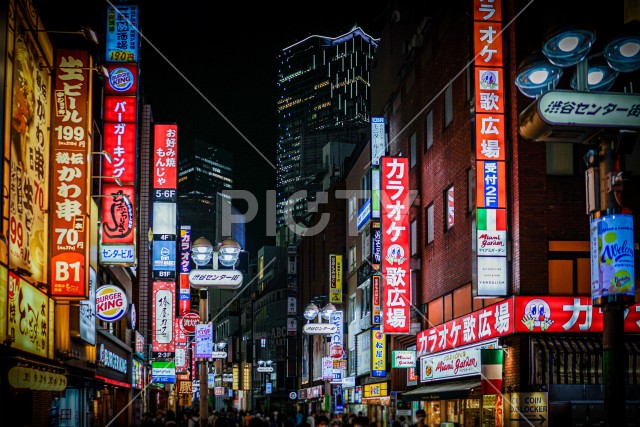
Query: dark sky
[{"x": 229, "y": 55}]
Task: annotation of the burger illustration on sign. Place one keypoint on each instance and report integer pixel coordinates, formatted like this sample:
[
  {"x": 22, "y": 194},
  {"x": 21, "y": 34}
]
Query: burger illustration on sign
[{"x": 111, "y": 303}]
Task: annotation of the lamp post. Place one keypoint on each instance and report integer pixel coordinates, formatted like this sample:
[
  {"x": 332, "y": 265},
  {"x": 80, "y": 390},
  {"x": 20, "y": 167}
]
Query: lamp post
[
  {"x": 537, "y": 78},
  {"x": 202, "y": 252}
]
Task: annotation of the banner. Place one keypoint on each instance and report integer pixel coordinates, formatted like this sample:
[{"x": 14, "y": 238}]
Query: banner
[
  {"x": 491, "y": 361},
  {"x": 163, "y": 316},
  {"x": 165, "y": 157},
  {"x": 335, "y": 278}
]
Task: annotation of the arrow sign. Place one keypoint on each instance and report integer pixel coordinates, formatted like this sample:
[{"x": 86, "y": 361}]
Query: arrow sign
[{"x": 539, "y": 419}]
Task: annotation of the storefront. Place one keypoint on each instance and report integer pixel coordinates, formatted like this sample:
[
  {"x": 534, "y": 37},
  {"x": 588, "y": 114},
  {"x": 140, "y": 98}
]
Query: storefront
[
  {"x": 114, "y": 372},
  {"x": 377, "y": 400},
  {"x": 311, "y": 399}
]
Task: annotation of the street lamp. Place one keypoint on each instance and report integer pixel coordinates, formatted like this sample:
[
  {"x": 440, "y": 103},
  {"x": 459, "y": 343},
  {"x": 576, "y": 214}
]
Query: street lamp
[
  {"x": 540, "y": 122},
  {"x": 202, "y": 252}
]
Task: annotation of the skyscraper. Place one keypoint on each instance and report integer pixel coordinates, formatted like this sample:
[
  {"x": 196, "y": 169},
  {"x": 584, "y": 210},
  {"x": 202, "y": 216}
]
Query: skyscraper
[
  {"x": 324, "y": 97},
  {"x": 204, "y": 170}
]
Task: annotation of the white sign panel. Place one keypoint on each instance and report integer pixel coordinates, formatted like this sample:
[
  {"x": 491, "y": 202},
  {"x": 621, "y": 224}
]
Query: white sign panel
[
  {"x": 404, "y": 359},
  {"x": 492, "y": 242},
  {"x": 164, "y": 218},
  {"x": 88, "y": 312},
  {"x": 492, "y": 275},
  {"x": 573, "y": 108},
  {"x": 228, "y": 279},
  {"x": 461, "y": 362},
  {"x": 204, "y": 340},
  {"x": 318, "y": 329}
]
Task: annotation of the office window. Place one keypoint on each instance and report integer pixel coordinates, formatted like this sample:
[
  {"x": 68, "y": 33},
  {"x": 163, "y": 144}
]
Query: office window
[
  {"x": 365, "y": 244},
  {"x": 569, "y": 268},
  {"x": 449, "y": 208},
  {"x": 559, "y": 158},
  {"x": 448, "y": 105},
  {"x": 467, "y": 79},
  {"x": 448, "y": 307},
  {"x": 352, "y": 308},
  {"x": 462, "y": 301},
  {"x": 365, "y": 299},
  {"x": 413, "y": 141},
  {"x": 428, "y": 130},
  {"x": 352, "y": 206},
  {"x": 435, "y": 312},
  {"x": 352, "y": 257},
  {"x": 413, "y": 227},
  {"x": 429, "y": 216}
]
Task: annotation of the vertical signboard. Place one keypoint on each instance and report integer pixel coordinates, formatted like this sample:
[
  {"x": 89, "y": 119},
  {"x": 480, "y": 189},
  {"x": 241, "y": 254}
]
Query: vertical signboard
[
  {"x": 117, "y": 235},
  {"x": 378, "y": 353},
  {"x": 88, "y": 312},
  {"x": 185, "y": 267},
  {"x": 378, "y": 142},
  {"x": 165, "y": 161},
  {"x": 70, "y": 175},
  {"x": 28, "y": 171},
  {"x": 396, "y": 289},
  {"x": 376, "y": 302},
  {"x": 163, "y": 317},
  {"x": 122, "y": 33},
  {"x": 335, "y": 278},
  {"x": 491, "y": 180},
  {"x": 336, "y": 351}
]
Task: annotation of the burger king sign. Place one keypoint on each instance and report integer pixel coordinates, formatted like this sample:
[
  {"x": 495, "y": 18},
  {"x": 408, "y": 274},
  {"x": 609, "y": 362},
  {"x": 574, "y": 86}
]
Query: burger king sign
[{"x": 111, "y": 303}]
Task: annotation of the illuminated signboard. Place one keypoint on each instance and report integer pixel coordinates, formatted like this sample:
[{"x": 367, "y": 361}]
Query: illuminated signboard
[
  {"x": 123, "y": 79},
  {"x": 163, "y": 316},
  {"x": 335, "y": 278},
  {"x": 70, "y": 176},
  {"x": 26, "y": 170},
  {"x": 122, "y": 33},
  {"x": 165, "y": 157},
  {"x": 396, "y": 289},
  {"x": 111, "y": 303},
  {"x": 185, "y": 248},
  {"x": 378, "y": 141},
  {"x": 120, "y": 109},
  {"x": 118, "y": 215},
  {"x": 120, "y": 143},
  {"x": 378, "y": 353}
]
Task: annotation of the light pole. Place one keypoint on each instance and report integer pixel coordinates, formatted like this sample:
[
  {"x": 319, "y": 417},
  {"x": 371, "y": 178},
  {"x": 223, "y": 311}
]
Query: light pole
[
  {"x": 201, "y": 253},
  {"x": 225, "y": 253},
  {"x": 555, "y": 112}
]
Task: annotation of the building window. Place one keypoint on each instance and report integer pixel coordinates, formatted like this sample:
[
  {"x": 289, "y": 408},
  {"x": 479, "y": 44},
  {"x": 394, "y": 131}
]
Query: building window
[
  {"x": 352, "y": 308},
  {"x": 366, "y": 244},
  {"x": 429, "y": 216},
  {"x": 467, "y": 78},
  {"x": 414, "y": 237},
  {"x": 365, "y": 298},
  {"x": 412, "y": 150},
  {"x": 352, "y": 257},
  {"x": 448, "y": 307},
  {"x": 352, "y": 206},
  {"x": 449, "y": 208},
  {"x": 559, "y": 158},
  {"x": 448, "y": 105},
  {"x": 569, "y": 268},
  {"x": 462, "y": 301},
  {"x": 434, "y": 310},
  {"x": 428, "y": 130}
]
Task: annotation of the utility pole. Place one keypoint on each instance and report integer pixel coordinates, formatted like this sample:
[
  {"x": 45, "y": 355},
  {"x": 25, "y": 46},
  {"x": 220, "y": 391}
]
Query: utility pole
[
  {"x": 609, "y": 189},
  {"x": 204, "y": 374}
]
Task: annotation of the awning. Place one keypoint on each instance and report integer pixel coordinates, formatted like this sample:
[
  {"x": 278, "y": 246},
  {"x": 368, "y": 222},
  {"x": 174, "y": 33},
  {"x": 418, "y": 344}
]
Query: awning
[
  {"x": 447, "y": 390},
  {"x": 558, "y": 359}
]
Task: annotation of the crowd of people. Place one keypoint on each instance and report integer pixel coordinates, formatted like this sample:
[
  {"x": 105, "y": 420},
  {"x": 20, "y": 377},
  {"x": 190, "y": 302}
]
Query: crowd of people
[{"x": 234, "y": 418}]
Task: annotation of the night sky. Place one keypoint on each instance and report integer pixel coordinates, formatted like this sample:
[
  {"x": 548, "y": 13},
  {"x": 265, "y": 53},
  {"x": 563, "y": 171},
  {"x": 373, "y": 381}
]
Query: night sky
[{"x": 229, "y": 56}]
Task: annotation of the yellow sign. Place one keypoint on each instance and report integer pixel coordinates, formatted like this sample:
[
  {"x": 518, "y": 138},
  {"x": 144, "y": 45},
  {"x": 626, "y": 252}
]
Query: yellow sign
[
  {"x": 375, "y": 390},
  {"x": 335, "y": 278},
  {"x": 236, "y": 377},
  {"x": 3, "y": 302},
  {"x": 36, "y": 379},
  {"x": 30, "y": 321},
  {"x": 378, "y": 353},
  {"x": 246, "y": 377}
]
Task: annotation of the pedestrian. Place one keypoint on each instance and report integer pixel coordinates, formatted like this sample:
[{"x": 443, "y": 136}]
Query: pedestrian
[
  {"x": 192, "y": 419},
  {"x": 420, "y": 417},
  {"x": 322, "y": 421},
  {"x": 311, "y": 419},
  {"x": 403, "y": 421},
  {"x": 159, "y": 420},
  {"x": 170, "y": 419},
  {"x": 299, "y": 418},
  {"x": 147, "y": 420}
]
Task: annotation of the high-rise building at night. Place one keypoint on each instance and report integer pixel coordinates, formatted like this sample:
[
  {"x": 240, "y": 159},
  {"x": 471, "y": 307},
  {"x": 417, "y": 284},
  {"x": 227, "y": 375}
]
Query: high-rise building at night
[
  {"x": 324, "y": 97},
  {"x": 204, "y": 171}
]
